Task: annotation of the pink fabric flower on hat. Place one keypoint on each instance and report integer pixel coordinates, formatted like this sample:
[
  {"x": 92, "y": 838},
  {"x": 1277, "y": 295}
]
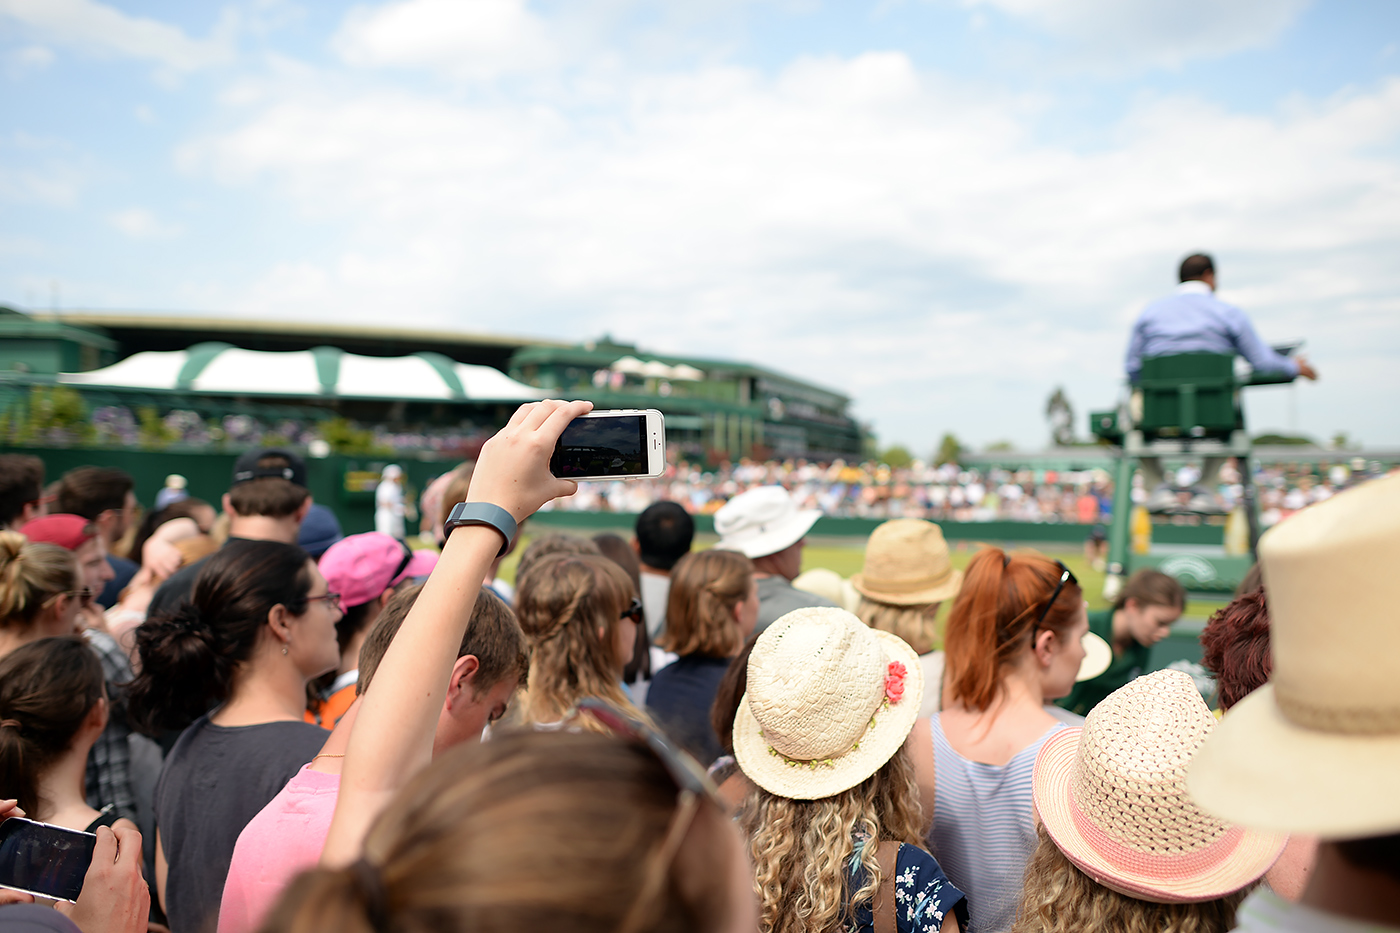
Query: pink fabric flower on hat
[{"x": 894, "y": 682}]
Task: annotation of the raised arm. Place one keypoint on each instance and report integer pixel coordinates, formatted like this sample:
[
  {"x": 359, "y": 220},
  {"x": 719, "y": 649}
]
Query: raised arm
[
  {"x": 393, "y": 735},
  {"x": 1260, "y": 355}
]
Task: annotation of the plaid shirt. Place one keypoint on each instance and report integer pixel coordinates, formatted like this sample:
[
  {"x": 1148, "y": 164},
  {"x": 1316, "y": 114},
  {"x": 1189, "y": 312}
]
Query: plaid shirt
[{"x": 109, "y": 762}]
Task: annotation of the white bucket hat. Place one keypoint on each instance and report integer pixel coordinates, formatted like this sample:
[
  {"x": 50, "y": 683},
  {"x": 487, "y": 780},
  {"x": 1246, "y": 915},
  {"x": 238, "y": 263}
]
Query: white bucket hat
[
  {"x": 1113, "y": 798},
  {"x": 762, "y": 521},
  {"x": 829, "y": 701},
  {"x": 1317, "y": 749}
]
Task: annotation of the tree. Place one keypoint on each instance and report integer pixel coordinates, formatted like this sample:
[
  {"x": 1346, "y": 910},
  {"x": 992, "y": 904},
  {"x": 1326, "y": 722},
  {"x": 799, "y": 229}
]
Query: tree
[
  {"x": 999, "y": 447},
  {"x": 1060, "y": 413},
  {"x": 896, "y": 457},
  {"x": 1284, "y": 440},
  {"x": 949, "y": 450}
]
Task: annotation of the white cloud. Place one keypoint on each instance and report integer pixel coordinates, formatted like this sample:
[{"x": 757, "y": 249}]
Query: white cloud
[
  {"x": 853, "y": 221},
  {"x": 463, "y": 38},
  {"x": 140, "y": 224},
  {"x": 1154, "y": 32},
  {"x": 96, "y": 27},
  {"x": 30, "y": 58}
]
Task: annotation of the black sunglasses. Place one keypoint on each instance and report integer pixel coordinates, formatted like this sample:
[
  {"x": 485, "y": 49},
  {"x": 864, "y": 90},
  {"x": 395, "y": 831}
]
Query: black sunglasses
[
  {"x": 634, "y": 612},
  {"x": 1066, "y": 576}
]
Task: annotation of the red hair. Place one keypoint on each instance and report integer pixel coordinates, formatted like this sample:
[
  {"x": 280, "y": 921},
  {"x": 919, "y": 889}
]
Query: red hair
[
  {"x": 1235, "y": 647},
  {"x": 990, "y": 624}
]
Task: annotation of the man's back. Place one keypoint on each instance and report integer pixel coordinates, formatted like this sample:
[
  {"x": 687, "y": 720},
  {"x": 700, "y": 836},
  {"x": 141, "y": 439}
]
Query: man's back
[{"x": 1193, "y": 320}]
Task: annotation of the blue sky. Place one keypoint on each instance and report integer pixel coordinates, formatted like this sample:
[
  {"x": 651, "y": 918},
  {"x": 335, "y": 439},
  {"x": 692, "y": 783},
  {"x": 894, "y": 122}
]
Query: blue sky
[{"x": 943, "y": 207}]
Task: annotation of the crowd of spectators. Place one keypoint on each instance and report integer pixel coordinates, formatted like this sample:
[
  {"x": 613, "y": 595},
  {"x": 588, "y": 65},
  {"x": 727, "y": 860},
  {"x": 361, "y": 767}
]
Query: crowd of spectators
[
  {"x": 266, "y": 725},
  {"x": 950, "y": 492}
]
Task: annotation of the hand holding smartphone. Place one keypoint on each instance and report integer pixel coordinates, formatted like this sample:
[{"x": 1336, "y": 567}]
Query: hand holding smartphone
[
  {"x": 616, "y": 444},
  {"x": 43, "y": 859}
]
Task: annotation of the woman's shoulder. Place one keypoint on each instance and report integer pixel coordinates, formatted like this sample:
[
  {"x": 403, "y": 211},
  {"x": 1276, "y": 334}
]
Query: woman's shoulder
[{"x": 922, "y": 892}]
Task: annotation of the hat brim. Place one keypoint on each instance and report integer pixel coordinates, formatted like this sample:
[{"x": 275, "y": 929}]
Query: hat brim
[
  {"x": 815, "y": 781},
  {"x": 1258, "y": 768},
  {"x": 933, "y": 594},
  {"x": 1235, "y": 867},
  {"x": 1098, "y": 655},
  {"x": 773, "y": 539}
]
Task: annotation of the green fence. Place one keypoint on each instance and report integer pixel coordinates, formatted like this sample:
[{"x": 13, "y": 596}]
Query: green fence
[{"x": 345, "y": 484}]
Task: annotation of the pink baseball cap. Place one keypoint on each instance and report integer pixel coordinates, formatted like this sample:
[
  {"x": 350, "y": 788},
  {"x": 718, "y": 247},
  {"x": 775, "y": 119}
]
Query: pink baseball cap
[
  {"x": 67, "y": 531},
  {"x": 360, "y": 567}
]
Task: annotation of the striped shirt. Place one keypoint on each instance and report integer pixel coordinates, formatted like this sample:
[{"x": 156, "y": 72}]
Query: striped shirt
[{"x": 984, "y": 828}]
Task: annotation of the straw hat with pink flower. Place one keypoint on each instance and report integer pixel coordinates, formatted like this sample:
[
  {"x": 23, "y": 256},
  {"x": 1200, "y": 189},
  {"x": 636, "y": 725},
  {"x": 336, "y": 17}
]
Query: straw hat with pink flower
[{"x": 829, "y": 701}]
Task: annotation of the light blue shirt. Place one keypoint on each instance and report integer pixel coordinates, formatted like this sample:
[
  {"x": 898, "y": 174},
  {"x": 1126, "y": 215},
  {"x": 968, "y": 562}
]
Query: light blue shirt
[{"x": 1193, "y": 320}]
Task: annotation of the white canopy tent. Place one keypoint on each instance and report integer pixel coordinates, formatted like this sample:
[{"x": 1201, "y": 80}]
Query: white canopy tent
[{"x": 219, "y": 369}]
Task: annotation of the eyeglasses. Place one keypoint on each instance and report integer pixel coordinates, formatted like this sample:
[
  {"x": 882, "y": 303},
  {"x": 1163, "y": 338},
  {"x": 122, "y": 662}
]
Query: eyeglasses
[
  {"x": 332, "y": 600},
  {"x": 692, "y": 782},
  {"x": 84, "y": 596},
  {"x": 634, "y": 612},
  {"x": 1066, "y": 575}
]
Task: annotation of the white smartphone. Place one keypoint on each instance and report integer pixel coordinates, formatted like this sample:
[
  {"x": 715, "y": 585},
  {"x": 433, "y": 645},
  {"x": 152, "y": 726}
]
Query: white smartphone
[
  {"x": 617, "y": 444},
  {"x": 43, "y": 859}
]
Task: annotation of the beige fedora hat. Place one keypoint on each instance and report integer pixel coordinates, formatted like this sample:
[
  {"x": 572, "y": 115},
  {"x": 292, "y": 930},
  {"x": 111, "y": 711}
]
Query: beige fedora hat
[
  {"x": 1317, "y": 749},
  {"x": 906, "y": 564},
  {"x": 1112, "y": 796},
  {"x": 829, "y": 701}
]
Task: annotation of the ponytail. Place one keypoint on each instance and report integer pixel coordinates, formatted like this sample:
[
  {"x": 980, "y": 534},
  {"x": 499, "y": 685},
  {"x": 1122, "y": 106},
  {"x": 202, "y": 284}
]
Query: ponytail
[
  {"x": 992, "y": 620},
  {"x": 183, "y": 674},
  {"x": 189, "y": 657},
  {"x": 31, "y": 573},
  {"x": 47, "y": 689}
]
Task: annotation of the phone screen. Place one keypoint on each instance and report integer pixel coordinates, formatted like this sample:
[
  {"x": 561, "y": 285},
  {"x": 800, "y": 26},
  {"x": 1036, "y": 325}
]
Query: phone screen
[
  {"x": 612, "y": 446},
  {"x": 44, "y": 859}
]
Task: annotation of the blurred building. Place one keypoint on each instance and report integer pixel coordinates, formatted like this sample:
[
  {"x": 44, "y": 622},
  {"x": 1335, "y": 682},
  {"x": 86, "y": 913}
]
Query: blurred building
[{"x": 99, "y": 379}]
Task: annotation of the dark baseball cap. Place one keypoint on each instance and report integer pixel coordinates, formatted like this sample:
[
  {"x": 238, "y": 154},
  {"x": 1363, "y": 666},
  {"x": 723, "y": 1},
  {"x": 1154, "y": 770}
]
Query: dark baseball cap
[{"x": 246, "y": 469}]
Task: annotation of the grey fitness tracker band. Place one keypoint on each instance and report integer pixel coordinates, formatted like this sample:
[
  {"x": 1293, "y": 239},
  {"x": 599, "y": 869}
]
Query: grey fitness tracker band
[{"x": 482, "y": 513}]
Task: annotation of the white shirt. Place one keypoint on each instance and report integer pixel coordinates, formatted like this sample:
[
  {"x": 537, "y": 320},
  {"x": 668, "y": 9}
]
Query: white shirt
[{"x": 1266, "y": 912}]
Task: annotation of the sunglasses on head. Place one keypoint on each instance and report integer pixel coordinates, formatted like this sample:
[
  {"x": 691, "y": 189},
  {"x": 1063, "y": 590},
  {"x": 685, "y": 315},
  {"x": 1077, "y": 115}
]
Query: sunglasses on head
[
  {"x": 692, "y": 783},
  {"x": 1066, "y": 576}
]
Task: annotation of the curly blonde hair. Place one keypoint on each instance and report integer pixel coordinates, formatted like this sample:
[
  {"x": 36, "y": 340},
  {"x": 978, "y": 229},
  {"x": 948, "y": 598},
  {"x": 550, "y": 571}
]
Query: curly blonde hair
[
  {"x": 804, "y": 851},
  {"x": 914, "y": 624},
  {"x": 570, "y": 606},
  {"x": 1059, "y": 898}
]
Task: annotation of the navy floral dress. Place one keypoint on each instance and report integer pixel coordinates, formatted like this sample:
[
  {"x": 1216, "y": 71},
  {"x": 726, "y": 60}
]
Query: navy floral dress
[{"x": 923, "y": 895}]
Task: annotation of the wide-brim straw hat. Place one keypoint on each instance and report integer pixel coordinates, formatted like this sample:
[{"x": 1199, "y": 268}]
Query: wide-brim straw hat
[
  {"x": 1113, "y": 797},
  {"x": 907, "y": 564},
  {"x": 1098, "y": 655},
  {"x": 762, "y": 521},
  {"x": 820, "y": 715},
  {"x": 1317, "y": 749}
]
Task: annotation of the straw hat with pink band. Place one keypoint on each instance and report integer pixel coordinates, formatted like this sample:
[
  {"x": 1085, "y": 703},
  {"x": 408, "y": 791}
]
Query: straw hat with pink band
[
  {"x": 1112, "y": 796},
  {"x": 1317, "y": 749},
  {"x": 829, "y": 701}
]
